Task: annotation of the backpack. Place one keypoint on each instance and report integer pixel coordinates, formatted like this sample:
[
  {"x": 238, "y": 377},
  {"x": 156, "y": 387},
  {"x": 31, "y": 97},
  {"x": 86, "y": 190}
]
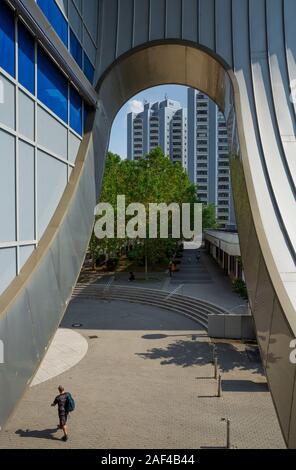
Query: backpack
[{"x": 70, "y": 403}]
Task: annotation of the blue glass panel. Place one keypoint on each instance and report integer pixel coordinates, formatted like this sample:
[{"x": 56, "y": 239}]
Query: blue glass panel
[
  {"x": 75, "y": 111},
  {"x": 88, "y": 69},
  {"x": 7, "y": 39},
  {"x": 75, "y": 48},
  {"x": 56, "y": 18},
  {"x": 52, "y": 86},
  {"x": 26, "y": 58}
]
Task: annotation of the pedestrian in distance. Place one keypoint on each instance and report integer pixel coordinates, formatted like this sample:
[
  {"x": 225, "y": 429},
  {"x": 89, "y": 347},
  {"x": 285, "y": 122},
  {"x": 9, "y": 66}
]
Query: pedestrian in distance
[
  {"x": 131, "y": 277},
  {"x": 66, "y": 404},
  {"x": 171, "y": 268}
]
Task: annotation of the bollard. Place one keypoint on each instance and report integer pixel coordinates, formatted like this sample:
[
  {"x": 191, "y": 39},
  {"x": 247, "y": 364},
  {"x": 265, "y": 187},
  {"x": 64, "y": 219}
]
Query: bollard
[
  {"x": 215, "y": 368},
  {"x": 228, "y": 444},
  {"x": 219, "y": 386},
  {"x": 228, "y": 434}
]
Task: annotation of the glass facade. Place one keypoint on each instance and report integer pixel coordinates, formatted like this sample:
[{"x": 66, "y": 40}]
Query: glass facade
[
  {"x": 88, "y": 69},
  {"x": 41, "y": 127},
  {"x": 7, "y": 39},
  {"x": 52, "y": 86},
  {"x": 56, "y": 18},
  {"x": 26, "y": 58},
  {"x": 76, "y": 49},
  {"x": 75, "y": 111},
  {"x": 76, "y": 25}
]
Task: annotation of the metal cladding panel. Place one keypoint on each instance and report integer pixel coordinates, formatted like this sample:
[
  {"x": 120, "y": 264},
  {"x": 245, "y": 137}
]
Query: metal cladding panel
[
  {"x": 141, "y": 22},
  {"x": 284, "y": 109},
  {"x": 290, "y": 44},
  {"x": 224, "y": 30},
  {"x": 174, "y": 19},
  {"x": 69, "y": 250},
  {"x": 157, "y": 19},
  {"x": 292, "y": 432},
  {"x": 45, "y": 302},
  {"x": 241, "y": 49},
  {"x": 108, "y": 33},
  {"x": 242, "y": 208},
  {"x": 257, "y": 29},
  {"x": 79, "y": 223},
  {"x": 275, "y": 165},
  {"x": 251, "y": 266},
  {"x": 65, "y": 260},
  {"x": 278, "y": 66},
  {"x": 90, "y": 17},
  {"x": 190, "y": 20},
  {"x": 280, "y": 371},
  {"x": 263, "y": 308},
  {"x": 20, "y": 355},
  {"x": 125, "y": 27},
  {"x": 88, "y": 183},
  {"x": 207, "y": 32}
]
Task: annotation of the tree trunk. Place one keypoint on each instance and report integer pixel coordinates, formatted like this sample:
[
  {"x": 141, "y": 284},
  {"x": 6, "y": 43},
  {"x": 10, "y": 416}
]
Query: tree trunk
[{"x": 146, "y": 262}]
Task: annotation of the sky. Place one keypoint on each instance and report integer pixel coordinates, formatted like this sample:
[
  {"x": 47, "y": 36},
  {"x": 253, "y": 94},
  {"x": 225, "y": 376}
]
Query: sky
[{"x": 118, "y": 139}]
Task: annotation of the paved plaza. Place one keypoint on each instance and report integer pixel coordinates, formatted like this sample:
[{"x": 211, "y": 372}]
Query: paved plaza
[
  {"x": 203, "y": 279},
  {"x": 145, "y": 381}
]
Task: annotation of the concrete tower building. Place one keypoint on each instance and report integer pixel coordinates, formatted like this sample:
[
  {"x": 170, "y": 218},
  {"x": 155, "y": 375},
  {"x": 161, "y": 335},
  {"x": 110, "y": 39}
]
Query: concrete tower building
[
  {"x": 208, "y": 155},
  {"x": 162, "y": 124}
]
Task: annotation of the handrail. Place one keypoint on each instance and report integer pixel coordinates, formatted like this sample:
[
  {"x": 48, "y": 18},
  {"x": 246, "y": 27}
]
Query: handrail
[{"x": 174, "y": 291}]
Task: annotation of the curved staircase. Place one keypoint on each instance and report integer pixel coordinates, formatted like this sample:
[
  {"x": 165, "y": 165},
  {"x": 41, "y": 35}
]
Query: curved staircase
[{"x": 196, "y": 309}]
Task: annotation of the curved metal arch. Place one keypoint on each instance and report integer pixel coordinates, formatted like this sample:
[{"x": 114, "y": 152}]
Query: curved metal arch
[{"x": 151, "y": 64}]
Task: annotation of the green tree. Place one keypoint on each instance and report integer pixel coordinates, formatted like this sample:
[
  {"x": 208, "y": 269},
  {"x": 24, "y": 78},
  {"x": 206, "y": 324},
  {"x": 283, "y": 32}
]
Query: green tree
[
  {"x": 209, "y": 219},
  {"x": 152, "y": 179}
]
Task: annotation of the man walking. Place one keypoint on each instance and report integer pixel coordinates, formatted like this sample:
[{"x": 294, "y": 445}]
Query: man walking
[{"x": 63, "y": 410}]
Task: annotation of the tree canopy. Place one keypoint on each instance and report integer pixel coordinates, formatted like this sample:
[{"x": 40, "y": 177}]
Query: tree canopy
[{"x": 151, "y": 179}]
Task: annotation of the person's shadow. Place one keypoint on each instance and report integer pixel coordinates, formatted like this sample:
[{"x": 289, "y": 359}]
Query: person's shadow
[{"x": 43, "y": 434}]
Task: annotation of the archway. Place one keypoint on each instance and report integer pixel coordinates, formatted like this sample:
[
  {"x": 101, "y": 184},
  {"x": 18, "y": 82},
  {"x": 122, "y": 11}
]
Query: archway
[{"x": 47, "y": 280}]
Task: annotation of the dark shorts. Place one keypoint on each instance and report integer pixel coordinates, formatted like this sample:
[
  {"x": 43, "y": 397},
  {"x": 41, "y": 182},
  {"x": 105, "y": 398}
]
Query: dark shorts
[{"x": 63, "y": 420}]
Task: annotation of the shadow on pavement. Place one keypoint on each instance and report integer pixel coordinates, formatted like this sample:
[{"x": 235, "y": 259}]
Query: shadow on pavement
[
  {"x": 162, "y": 336},
  {"x": 124, "y": 316},
  {"x": 244, "y": 386},
  {"x": 43, "y": 434},
  {"x": 185, "y": 353}
]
